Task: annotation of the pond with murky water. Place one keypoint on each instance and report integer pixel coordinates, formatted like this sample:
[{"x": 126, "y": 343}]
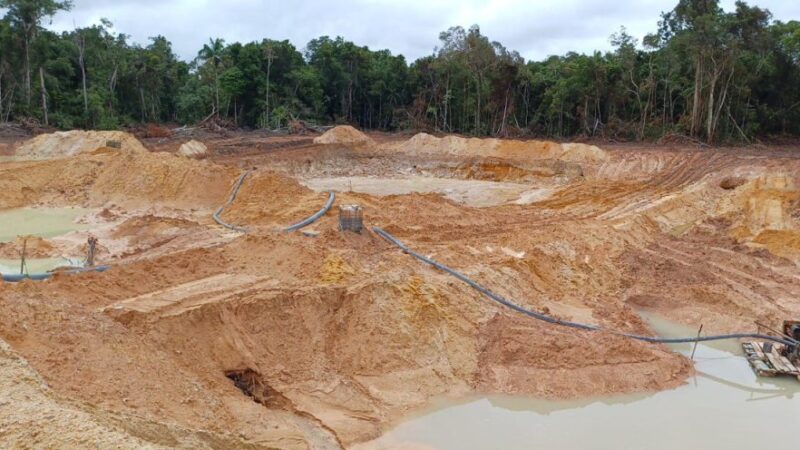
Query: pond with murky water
[
  {"x": 725, "y": 406},
  {"x": 476, "y": 193},
  {"x": 41, "y": 222}
]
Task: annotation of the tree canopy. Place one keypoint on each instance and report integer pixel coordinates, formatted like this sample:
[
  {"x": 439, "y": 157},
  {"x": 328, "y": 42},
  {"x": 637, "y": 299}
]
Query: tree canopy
[{"x": 708, "y": 73}]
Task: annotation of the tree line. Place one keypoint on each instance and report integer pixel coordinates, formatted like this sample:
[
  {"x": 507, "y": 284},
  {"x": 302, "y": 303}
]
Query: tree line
[{"x": 707, "y": 73}]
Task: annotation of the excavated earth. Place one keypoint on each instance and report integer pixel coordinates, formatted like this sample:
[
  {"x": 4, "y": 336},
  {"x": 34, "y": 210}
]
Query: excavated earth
[{"x": 201, "y": 337}]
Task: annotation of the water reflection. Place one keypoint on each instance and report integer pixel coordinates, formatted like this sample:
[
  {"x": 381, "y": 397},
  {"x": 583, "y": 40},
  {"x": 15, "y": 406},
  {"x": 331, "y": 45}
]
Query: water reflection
[{"x": 724, "y": 406}]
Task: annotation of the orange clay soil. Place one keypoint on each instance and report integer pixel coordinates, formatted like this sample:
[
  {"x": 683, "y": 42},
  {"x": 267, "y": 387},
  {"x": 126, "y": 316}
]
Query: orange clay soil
[
  {"x": 34, "y": 247},
  {"x": 203, "y": 338}
]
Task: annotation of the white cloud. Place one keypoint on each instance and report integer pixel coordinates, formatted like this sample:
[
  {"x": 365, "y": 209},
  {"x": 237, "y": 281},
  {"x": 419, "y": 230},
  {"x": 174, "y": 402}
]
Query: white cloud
[{"x": 535, "y": 28}]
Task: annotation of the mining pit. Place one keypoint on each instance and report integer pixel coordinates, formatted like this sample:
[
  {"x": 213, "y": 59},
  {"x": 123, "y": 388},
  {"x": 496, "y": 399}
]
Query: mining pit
[{"x": 199, "y": 336}]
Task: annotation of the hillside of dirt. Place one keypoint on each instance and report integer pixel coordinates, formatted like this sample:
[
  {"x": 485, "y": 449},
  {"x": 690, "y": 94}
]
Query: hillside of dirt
[
  {"x": 203, "y": 337},
  {"x": 63, "y": 144},
  {"x": 425, "y": 144},
  {"x": 103, "y": 177}
]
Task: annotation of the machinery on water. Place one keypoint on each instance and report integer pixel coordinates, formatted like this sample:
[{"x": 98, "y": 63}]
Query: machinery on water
[{"x": 770, "y": 359}]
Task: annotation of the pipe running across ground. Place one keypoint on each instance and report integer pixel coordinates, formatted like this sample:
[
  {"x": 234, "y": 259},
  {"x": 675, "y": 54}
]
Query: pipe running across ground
[
  {"x": 315, "y": 217},
  {"x": 14, "y": 278},
  {"x": 231, "y": 199},
  {"x": 297, "y": 226},
  {"x": 581, "y": 326}
]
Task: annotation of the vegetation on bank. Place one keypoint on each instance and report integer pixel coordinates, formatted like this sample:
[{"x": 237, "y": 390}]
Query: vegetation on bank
[{"x": 707, "y": 73}]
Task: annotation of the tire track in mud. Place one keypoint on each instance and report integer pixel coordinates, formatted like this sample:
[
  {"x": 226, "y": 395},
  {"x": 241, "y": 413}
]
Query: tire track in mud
[{"x": 745, "y": 284}]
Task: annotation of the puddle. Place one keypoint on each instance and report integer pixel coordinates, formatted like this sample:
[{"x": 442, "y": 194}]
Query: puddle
[
  {"x": 39, "y": 265},
  {"x": 475, "y": 193},
  {"x": 42, "y": 222},
  {"x": 725, "y": 406}
]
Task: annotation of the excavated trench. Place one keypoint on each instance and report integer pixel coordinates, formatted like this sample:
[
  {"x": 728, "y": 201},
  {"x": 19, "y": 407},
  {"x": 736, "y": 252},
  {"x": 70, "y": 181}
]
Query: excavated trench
[{"x": 252, "y": 384}]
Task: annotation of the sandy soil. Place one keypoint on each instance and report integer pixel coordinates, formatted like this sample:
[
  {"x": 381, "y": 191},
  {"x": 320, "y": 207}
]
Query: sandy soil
[
  {"x": 276, "y": 340},
  {"x": 477, "y": 193}
]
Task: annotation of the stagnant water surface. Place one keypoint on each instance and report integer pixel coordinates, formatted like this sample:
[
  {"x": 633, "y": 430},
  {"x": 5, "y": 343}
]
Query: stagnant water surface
[
  {"x": 477, "y": 193},
  {"x": 725, "y": 406},
  {"x": 38, "y": 265},
  {"x": 42, "y": 222}
]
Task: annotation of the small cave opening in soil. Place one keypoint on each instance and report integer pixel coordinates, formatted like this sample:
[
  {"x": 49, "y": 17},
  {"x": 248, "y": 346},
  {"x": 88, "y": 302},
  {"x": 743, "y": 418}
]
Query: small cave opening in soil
[{"x": 252, "y": 384}]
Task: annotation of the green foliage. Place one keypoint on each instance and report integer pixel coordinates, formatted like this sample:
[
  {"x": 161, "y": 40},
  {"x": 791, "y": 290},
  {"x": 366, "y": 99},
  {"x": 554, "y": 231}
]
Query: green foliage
[{"x": 713, "y": 74}]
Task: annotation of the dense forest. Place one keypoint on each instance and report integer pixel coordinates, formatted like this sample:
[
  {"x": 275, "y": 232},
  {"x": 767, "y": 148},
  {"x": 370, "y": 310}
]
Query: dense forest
[{"x": 714, "y": 75}]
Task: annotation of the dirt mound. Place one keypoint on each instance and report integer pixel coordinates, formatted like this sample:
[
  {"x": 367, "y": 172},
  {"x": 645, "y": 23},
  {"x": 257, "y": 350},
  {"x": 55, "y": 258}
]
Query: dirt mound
[
  {"x": 32, "y": 417},
  {"x": 425, "y": 144},
  {"x": 344, "y": 134},
  {"x": 63, "y": 144},
  {"x": 35, "y": 247},
  {"x": 272, "y": 199},
  {"x": 582, "y": 153},
  {"x": 335, "y": 269},
  {"x": 193, "y": 149},
  {"x": 128, "y": 179}
]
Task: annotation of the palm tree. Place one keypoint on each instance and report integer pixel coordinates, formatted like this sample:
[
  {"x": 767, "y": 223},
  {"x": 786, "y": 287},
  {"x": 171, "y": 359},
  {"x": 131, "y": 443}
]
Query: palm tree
[{"x": 212, "y": 52}]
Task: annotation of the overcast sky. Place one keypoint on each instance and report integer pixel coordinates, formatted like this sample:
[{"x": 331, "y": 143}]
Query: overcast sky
[{"x": 535, "y": 28}]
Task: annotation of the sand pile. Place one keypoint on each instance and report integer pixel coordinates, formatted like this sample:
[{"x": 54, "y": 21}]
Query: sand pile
[
  {"x": 162, "y": 178},
  {"x": 582, "y": 152},
  {"x": 127, "y": 179},
  {"x": 425, "y": 144},
  {"x": 63, "y": 144},
  {"x": 344, "y": 134},
  {"x": 335, "y": 269},
  {"x": 269, "y": 198},
  {"x": 31, "y": 416},
  {"x": 193, "y": 149}
]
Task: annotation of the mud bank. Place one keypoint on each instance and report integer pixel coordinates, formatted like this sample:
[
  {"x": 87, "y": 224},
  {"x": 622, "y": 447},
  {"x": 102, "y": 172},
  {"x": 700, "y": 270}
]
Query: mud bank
[{"x": 723, "y": 392}]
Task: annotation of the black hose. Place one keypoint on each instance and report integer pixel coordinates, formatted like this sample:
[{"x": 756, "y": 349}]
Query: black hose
[
  {"x": 14, "y": 278},
  {"x": 581, "y": 326},
  {"x": 234, "y": 193},
  {"x": 313, "y": 218},
  {"x": 302, "y": 224}
]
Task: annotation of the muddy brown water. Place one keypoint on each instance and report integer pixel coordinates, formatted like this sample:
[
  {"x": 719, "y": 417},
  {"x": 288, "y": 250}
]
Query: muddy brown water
[
  {"x": 42, "y": 222},
  {"x": 725, "y": 406}
]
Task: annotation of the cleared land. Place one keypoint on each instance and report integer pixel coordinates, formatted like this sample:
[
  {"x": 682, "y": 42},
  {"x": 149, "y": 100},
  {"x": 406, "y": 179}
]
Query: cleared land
[{"x": 338, "y": 335}]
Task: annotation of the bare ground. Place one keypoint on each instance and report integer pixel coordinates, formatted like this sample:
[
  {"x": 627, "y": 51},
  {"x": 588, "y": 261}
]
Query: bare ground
[{"x": 341, "y": 334}]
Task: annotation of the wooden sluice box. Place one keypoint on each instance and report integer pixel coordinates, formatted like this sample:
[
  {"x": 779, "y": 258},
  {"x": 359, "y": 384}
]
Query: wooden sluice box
[{"x": 769, "y": 360}]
